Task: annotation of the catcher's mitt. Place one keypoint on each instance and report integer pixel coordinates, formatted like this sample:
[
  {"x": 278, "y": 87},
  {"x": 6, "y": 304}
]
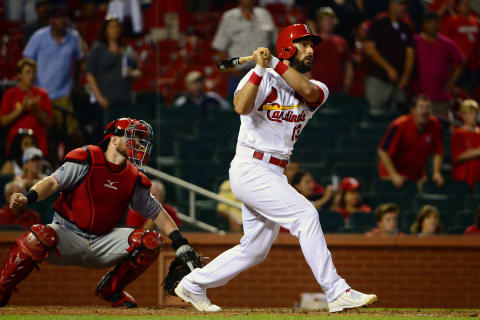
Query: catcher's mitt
[{"x": 183, "y": 264}]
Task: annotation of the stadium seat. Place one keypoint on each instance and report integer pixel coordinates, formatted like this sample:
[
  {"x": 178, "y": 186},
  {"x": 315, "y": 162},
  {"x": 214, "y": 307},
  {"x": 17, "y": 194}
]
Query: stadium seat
[
  {"x": 472, "y": 202},
  {"x": 464, "y": 218},
  {"x": 361, "y": 222},
  {"x": 331, "y": 221},
  {"x": 406, "y": 219},
  {"x": 404, "y": 201},
  {"x": 362, "y": 170},
  {"x": 380, "y": 186},
  {"x": 4, "y": 179},
  {"x": 380, "y": 116},
  {"x": 457, "y": 188}
]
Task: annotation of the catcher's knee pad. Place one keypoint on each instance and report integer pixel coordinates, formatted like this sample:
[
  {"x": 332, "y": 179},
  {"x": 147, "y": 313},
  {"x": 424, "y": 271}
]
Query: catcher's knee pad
[
  {"x": 32, "y": 247},
  {"x": 38, "y": 242},
  {"x": 144, "y": 246}
]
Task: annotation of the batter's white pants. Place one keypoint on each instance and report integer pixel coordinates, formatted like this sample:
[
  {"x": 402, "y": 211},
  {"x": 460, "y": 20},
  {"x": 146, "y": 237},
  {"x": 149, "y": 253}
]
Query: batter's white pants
[{"x": 268, "y": 203}]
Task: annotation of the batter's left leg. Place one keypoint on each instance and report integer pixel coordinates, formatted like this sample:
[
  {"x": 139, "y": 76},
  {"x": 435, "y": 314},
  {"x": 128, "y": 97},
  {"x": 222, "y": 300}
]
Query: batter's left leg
[{"x": 143, "y": 250}]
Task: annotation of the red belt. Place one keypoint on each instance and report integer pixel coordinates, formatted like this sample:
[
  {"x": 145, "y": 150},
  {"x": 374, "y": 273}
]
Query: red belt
[{"x": 275, "y": 161}]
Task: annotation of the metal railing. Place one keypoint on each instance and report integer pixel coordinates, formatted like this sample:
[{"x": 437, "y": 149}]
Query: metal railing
[{"x": 192, "y": 191}]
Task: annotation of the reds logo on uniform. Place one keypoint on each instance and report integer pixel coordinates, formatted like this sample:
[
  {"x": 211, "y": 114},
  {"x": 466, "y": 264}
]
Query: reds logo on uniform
[{"x": 110, "y": 185}]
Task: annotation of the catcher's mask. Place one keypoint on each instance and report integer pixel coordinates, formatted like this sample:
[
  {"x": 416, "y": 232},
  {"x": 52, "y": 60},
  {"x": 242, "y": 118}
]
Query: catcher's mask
[{"x": 138, "y": 135}]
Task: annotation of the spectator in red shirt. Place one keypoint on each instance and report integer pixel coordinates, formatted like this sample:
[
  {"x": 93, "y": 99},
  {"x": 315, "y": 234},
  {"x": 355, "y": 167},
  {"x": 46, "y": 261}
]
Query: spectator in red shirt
[
  {"x": 436, "y": 56},
  {"x": 465, "y": 145},
  {"x": 23, "y": 140},
  {"x": 443, "y": 7},
  {"x": 408, "y": 143},
  {"x": 22, "y": 217},
  {"x": 474, "y": 229},
  {"x": 427, "y": 222},
  {"x": 303, "y": 182},
  {"x": 464, "y": 29},
  {"x": 135, "y": 219},
  {"x": 331, "y": 61},
  {"x": 349, "y": 199},
  {"x": 387, "y": 220},
  {"x": 26, "y": 106}
]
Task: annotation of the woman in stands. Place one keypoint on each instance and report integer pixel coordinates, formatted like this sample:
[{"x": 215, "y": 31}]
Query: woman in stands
[
  {"x": 111, "y": 67},
  {"x": 427, "y": 222},
  {"x": 303, "y": 182},
  {"x": 23, "y": 139},
  {"x": 349, "y": 199}
]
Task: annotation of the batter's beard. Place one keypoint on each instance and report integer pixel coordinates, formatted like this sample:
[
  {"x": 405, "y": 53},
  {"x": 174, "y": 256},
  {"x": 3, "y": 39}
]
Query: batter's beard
[{"x": 300, "y": 66}]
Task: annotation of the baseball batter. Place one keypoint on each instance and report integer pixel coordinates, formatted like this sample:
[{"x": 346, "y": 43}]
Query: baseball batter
[
  {"x": 275, "y": 101},
  {"x": 98, "y": 183}
]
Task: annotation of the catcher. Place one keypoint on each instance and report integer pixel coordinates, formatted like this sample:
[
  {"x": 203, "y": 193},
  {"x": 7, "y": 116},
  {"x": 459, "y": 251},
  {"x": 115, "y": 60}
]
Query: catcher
[{"x": 98, "y": 183}]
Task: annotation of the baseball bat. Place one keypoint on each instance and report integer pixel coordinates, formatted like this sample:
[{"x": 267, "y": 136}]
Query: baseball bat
[{"x": 234, "y": 62}]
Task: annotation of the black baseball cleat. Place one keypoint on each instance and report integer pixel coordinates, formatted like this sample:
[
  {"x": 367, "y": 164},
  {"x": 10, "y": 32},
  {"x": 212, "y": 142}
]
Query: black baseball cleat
[{"x": 117, "y": 298}]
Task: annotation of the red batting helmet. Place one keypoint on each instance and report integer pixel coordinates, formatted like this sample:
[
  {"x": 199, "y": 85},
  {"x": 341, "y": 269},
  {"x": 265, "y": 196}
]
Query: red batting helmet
[
  {"x": 285, "y": 47},
  {"x": 138, "y": 135}
]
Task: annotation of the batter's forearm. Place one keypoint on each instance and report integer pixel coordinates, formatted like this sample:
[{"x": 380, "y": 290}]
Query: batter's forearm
[
  {"x": 245, "y": 99},
  {"x": 45, "y": 187},
  {"x": 302, "y": 85},
  {"x": 387, "y": 162}
]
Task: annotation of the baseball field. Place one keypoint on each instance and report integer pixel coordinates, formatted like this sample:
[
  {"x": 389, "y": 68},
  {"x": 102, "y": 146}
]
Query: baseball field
[{"x": 103, "y": 313}]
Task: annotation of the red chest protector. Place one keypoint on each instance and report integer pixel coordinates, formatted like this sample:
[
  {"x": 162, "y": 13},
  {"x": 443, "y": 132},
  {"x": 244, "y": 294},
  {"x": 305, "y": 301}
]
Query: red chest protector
[{"x": 98, "y": 203}]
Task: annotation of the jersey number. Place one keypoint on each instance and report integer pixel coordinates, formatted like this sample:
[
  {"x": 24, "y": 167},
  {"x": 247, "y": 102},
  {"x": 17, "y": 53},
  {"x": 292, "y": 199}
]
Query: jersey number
[{"x": 296, "y": 132}]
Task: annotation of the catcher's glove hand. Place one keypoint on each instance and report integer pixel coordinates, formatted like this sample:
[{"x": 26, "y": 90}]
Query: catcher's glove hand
[{"x": 185, "y": 261}]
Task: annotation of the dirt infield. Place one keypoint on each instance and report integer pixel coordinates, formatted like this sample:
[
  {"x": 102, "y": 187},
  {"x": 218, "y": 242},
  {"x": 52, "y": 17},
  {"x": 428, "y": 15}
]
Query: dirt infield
[{"x": 184, "y": 311}]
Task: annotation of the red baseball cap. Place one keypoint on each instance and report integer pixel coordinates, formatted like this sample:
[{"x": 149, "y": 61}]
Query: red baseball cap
[{"x": 349, "y": 184}]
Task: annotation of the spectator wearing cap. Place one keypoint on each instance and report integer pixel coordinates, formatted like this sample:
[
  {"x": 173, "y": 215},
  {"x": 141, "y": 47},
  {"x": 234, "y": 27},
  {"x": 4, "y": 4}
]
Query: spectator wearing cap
[
  {"x": 439, "y": 64},
  {"x": 387, "y": 220},
  {"x": 55, "y": 48},
  {"x": 32, "y": 168},
  {"x": 23, "y": 140},
  {"x": 111, "y": 67},
  {"x": 43, "y": 9},
  {"x": 331, "y": 61},
  {"x": 232, "y": 214},
  {"x": 242, "y": 30},
  {"x": 409, "y": 142},
  {"x": 463, "y": 28},
  {"x": 474, "y": 229},
  {"x": 303, "y": 182},
  {"x": 23, "y": 217},
  {"x": 391, "y": 58},
  {"x": 26, "y": 106},
  {"x": 427, "y": 222},
  {"x": 196, "y": 97},
  {"x": 349, "y": 200},
  {"x": 136, "y": 220},
  {"x": 465, "y": 145}
]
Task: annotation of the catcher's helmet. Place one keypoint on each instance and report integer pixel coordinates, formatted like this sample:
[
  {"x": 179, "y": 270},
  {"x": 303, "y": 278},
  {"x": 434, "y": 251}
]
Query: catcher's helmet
[
  {"x": 285, "y": 47},
  {"x": 138, "y": 135}
]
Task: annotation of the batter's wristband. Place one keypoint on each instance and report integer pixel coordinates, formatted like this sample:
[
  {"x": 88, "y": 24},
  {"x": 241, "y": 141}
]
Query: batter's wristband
[
  {"x": 177, "y": 239},
  {"x": 257, "y": 75},
  {"x": 281, "y": 68},
  {"x": 273, "y": 62},
  {"x": 32, "y": 196}
]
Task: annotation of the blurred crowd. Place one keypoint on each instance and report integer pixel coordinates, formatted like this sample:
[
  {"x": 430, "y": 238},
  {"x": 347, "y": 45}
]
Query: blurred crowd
[{"x": 68, "y": 65}]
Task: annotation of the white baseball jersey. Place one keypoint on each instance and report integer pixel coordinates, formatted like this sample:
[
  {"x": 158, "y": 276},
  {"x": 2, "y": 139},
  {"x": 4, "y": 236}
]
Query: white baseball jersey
[{"x": 278, "y": 117}]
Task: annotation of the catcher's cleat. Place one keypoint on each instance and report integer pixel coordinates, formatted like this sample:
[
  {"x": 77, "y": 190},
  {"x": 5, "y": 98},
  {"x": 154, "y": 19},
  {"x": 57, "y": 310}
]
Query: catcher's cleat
[
  {"x": 118, "y": 298},
  {"x": 199, "y": 301},
  {"x": 351, "y": 299}
]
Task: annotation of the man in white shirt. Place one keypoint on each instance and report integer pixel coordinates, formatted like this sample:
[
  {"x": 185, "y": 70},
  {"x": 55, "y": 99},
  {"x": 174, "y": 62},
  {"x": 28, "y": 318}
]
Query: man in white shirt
[{"x": 275, "y": 101}]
